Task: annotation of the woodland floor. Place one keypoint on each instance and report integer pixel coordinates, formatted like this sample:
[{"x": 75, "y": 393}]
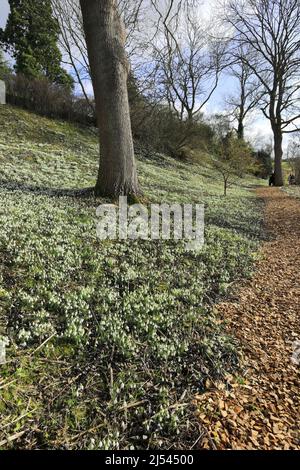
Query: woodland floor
[{"x": 261, "y": 408}]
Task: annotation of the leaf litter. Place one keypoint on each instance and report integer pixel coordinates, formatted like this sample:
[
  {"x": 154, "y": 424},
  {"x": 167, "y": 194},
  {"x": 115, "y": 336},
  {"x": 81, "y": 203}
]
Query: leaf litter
[{"x": 259, "y": 409}]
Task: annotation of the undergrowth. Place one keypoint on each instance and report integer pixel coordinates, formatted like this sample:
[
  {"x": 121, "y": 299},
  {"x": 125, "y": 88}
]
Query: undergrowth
[{"x": 108, "y": 340}]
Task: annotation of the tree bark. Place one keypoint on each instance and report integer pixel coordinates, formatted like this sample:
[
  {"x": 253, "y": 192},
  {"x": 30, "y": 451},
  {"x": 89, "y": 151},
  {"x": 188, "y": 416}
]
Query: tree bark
[
  {"x": 105, "y": 37},
  {"x": 240, "y": 129},
  {"x": 278, "y": 155},
  {"x": 297, "y": 171},
  {"x": 225, "y": 186},
  {"x": 241, "y": 115}
]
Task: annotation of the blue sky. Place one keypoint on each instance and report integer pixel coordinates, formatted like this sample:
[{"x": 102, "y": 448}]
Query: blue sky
[
  {"x": 258, "y": 128},
  {"x": 4, "y": 9}
]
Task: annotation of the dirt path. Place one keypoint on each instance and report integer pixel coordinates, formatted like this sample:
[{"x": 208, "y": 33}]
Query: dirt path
[{"x": 261, "y": 410}]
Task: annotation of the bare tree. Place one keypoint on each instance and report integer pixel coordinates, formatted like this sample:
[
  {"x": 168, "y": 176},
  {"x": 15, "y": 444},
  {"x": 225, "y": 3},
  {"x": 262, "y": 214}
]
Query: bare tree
[
  {"x": 72, "y": 43},
  {"x": 248, "y": 91},
  {"x": 105, "y": 37},
  {"x": 187, "y": 63},
  {"x": 72, "y": 37},
  {"x": 232, "y": 159},
  {"x": 108, "y": 65},
  {"x": 197, "y": 72},
  {"x": 271, "y": 29}
]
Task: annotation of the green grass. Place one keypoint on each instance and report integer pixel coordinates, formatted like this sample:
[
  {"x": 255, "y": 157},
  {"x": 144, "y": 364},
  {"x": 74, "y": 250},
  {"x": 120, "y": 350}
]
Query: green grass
[
  {"x": 129, "y": 328},
  {"x": 293, "y": 191}
]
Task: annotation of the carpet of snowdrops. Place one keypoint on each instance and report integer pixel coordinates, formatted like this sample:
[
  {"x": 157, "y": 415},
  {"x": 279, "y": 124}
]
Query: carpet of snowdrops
[
  {"x": 108, "y": 340},
  {"x": 293, "y": 191}
]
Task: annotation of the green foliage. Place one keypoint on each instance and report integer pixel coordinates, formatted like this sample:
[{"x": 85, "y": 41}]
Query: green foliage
[
  {"x": 31, "y": 34},
  {"x": 4, "y": 67},
  {"x": 132, "y": 334},
  {"x": 293, "y": 191},
  {"x": 265, "y": 166}
]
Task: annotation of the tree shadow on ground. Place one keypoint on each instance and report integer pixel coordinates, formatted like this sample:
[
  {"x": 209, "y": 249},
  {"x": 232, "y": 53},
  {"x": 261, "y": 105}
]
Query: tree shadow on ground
[{"x": 46, "y": 191}]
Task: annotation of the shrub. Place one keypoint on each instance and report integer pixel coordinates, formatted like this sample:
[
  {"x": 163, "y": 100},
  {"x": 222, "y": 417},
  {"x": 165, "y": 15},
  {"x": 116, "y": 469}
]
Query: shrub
[
  {"x": 265, "y": 166},
  {"x": 161, "y": 129},
  {"x": 47, "y": 99}
]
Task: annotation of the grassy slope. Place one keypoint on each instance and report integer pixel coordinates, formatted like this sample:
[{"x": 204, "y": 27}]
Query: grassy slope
[
  {"x": 133, "y": 334},
  {"x": 293, "y": 191}
]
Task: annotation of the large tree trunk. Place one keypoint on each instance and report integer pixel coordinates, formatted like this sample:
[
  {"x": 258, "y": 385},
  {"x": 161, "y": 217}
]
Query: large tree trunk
[
  {"x": 105, "y": 37},
  {"x": 278, "y": 156}
]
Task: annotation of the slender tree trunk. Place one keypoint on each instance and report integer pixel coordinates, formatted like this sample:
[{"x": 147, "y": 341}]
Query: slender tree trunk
[
  {"x": 241, "y": 129},
  {"x": 278, "y": 155},
  {"x": 297, "y": 172},
  {"x": 241, "y": 115},
  {"x": 225, "y": 186},
  {"x": 105, "y": 37}
]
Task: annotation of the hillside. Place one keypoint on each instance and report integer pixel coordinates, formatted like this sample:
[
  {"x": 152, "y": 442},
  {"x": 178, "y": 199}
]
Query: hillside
[{"x": 108, "y": 341}]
